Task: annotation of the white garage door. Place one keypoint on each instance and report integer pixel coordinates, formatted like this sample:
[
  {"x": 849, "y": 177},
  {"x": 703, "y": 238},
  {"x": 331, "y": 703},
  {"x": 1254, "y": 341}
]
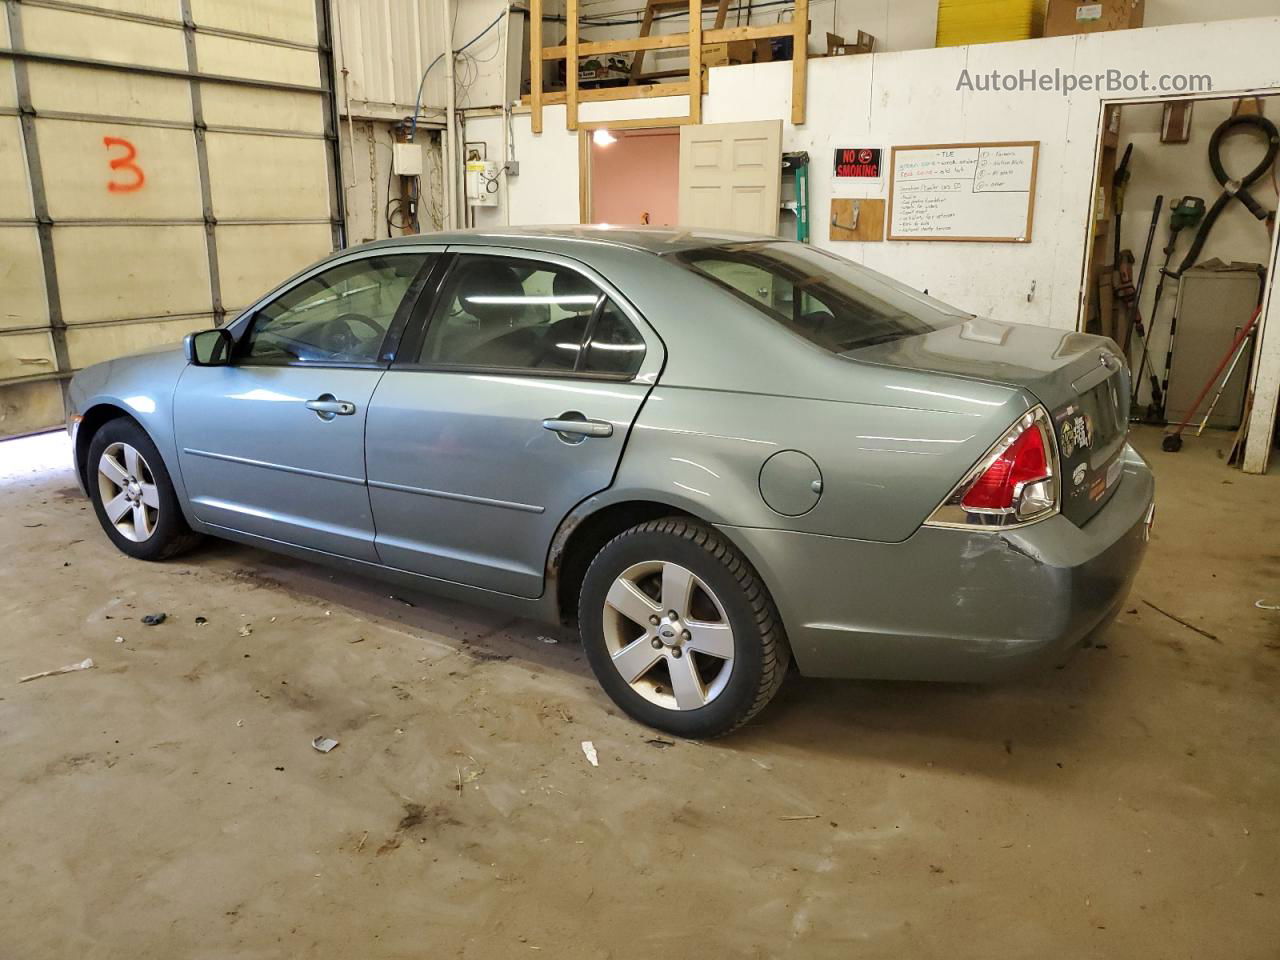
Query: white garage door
[{"x": 162, "y": 163}]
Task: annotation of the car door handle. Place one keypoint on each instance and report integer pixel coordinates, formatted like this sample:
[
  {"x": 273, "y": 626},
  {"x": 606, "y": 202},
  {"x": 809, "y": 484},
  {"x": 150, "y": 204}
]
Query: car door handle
[
  {"x": 332, "y": 407},
  {"x": 579, "y": 428}
]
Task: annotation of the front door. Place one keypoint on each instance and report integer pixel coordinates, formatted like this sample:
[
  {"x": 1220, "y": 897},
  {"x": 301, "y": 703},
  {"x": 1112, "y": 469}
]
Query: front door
[
  {"x": 730, "y": 176},
  {"x": 273, "y": 443},
  {"x": 511, "y": 407}
]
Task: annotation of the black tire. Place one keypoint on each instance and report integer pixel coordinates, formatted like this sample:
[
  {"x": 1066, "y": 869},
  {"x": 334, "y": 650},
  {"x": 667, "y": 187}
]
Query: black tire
[
  {"x": 761, "y": 655},
  {"x": 171, "y": 535}
]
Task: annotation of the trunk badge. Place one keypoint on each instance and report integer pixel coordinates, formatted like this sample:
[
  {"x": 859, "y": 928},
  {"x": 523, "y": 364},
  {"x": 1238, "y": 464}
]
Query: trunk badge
[{"x": 1078, "y": 474}]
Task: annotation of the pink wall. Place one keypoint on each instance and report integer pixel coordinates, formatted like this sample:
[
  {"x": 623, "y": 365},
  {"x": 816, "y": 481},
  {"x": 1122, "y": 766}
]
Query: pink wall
[{"x": 640, "y": 173}]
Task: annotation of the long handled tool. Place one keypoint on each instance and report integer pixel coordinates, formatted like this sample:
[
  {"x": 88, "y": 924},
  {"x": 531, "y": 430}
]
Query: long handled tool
[
  {"x": 1183, "y": 213},
  {"x": 1172, "y": 441},
  {"x": 1244, "y": 347},
  {"x": 1119, "y": 182},
  {"x": 1134, "y": 323}
]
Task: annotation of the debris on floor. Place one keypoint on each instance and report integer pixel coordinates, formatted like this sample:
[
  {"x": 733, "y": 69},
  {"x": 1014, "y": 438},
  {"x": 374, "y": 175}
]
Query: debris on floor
[
  {"x": 246, "y": 630},
  {"x": 85, "y": 664},
  {"x": 548, "y": 639},
  {"x": 324, "y": 744},
  {"x": 1263, "y": 605},
  {"x": 119, "y": 639},
  {"x": 589, "y": 750},
  {"x": 1177, "y": 619},
  {"x": 201, "y": 621},
  {"x": 660, "y": 743},
  {"x": 154, "y": 619}
]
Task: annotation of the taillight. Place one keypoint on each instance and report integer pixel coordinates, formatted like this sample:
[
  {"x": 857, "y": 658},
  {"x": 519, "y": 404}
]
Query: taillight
[{"x": 1015, "y": 482}]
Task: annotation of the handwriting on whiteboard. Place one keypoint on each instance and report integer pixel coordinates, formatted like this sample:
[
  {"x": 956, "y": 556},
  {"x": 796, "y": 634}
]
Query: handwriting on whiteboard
[
  {"x": 962, "y": 192},
  {"x": 133, "y": 177}
]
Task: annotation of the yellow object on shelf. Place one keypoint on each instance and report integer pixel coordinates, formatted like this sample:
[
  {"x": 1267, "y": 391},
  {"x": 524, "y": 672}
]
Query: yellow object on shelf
[{"x": 988, "y": 21}]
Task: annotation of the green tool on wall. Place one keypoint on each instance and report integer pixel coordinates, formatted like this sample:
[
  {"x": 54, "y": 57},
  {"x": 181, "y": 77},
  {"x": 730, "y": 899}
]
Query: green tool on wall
[
  {"x": 1185, "y": 214},
  {"x": 796, "y": 166}
]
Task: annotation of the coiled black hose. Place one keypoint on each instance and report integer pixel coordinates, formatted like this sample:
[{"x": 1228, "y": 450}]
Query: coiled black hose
[{"x": 1234, "y": 189}]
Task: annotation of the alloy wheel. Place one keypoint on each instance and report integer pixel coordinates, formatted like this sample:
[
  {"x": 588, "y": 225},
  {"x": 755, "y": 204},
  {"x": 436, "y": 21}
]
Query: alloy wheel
[
  {"x": 668, "y": 636},
  {"x": 128, "y": 490}
]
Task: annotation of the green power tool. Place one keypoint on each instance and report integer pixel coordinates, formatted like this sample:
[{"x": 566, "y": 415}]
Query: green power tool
[{"x": 1186, "y": 213}]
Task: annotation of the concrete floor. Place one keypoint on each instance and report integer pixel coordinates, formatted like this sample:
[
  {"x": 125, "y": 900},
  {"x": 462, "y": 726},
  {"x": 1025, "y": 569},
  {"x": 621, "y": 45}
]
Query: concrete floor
[{"x": 168, "y": 803}]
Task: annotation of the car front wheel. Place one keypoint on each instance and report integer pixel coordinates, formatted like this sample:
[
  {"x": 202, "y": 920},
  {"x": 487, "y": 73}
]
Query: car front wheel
[
  {"x": 679, "y": 629},
  {"x": 133, "y": 495}
]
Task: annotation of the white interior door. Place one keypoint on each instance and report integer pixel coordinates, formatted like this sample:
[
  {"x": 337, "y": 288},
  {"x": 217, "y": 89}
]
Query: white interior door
[{"x": 730, "y": 175}]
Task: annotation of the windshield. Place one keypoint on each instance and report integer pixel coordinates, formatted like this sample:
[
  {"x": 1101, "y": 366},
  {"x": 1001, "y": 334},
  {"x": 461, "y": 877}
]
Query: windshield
[{"x": 831, "y": 302}]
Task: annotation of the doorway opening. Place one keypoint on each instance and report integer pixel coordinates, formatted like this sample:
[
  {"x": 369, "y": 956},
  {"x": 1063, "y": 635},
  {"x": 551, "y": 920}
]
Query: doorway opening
[
  {"x": 1177, "y": 267},
  {"x": 633, "y": 176}
]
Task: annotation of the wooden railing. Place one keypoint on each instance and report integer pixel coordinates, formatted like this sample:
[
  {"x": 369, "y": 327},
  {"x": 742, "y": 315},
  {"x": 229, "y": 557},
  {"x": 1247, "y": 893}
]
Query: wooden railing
[{"x": 573, "y": 49}]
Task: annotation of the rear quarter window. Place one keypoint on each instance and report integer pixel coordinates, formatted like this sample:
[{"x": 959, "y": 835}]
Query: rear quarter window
[{"x": 832, "y": 303}]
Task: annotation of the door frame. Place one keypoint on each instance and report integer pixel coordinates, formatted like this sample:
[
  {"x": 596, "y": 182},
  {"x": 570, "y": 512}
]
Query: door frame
[
  {"x": 588, "y": 127},
  {"x": 1264, "y": 374}
]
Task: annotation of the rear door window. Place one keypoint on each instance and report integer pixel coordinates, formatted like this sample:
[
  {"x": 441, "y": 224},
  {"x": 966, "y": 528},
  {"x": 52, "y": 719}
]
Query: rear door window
[{"x": 515, "y": 314}]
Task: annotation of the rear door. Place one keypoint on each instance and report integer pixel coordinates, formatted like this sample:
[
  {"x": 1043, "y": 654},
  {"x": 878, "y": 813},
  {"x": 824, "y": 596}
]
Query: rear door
[
  {"x": 509, "y": 407},
  {"x": 273, "y": 444}
]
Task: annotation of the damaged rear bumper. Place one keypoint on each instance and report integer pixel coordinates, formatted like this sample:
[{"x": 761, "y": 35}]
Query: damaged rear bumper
[{"x": 954, "y": 604}]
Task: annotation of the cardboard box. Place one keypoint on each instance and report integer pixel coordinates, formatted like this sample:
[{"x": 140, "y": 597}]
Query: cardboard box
[
  {"x": 838, "y": 46},
  {"x": 721, "y": 54},
  {"x": 1066, "y": 17}
]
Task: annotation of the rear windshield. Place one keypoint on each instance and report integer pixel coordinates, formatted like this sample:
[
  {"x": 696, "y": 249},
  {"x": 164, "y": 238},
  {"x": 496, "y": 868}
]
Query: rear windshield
[{"x": 838, "y": 305}]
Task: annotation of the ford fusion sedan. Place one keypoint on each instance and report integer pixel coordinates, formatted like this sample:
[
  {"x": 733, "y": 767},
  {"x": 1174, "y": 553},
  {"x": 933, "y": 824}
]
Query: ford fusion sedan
[{"x": 715, "y": 454}]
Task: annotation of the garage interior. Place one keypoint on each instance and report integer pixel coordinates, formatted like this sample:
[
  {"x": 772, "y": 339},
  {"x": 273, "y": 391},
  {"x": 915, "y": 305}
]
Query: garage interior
[{"x": 166, "y": 163}]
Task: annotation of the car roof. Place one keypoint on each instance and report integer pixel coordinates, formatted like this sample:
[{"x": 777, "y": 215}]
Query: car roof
[{"x": 569, "y": 239}]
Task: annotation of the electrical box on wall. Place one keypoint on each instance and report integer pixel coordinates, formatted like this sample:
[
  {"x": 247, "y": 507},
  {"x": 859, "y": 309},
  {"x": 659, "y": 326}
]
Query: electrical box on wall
[
  {"x": 406, "y": 159},
  {"x": 482, "y": 183}
]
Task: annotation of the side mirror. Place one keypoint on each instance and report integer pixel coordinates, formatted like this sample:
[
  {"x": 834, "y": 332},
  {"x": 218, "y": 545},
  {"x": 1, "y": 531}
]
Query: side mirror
[{"x": 208, "y": 348}]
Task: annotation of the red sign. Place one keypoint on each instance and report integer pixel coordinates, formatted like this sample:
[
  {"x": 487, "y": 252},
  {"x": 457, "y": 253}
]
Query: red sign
[{"x": 858, "y": 162}]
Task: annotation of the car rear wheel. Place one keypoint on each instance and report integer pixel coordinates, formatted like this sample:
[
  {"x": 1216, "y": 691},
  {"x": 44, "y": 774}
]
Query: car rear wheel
[
  {"x": 679, "y": 629},
  {"x": 133, "y": 495}
]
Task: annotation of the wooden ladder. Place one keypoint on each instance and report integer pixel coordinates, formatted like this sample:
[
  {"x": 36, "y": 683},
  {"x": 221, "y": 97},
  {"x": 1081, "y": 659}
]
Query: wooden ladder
[{"x": 652, "y": 7}]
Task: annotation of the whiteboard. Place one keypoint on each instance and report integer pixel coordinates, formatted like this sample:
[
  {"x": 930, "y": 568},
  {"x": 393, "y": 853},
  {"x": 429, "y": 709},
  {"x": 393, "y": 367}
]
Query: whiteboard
[{"x": 963, "y": 191}]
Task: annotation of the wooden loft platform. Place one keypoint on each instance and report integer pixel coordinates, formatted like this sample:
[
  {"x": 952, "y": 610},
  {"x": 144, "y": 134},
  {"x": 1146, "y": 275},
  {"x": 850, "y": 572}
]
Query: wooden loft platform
[{"x": 574, "y": 49}]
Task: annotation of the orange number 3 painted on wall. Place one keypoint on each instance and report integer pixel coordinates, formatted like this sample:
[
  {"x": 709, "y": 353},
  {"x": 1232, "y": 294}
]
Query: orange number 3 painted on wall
[{"x": 124, "y": 164}]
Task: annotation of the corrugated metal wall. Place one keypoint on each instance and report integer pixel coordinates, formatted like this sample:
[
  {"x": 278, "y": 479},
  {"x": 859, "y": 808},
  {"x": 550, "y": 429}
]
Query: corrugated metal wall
[
  {"x": 162, "y": 163},
  {"x": 384, "y": 47}
]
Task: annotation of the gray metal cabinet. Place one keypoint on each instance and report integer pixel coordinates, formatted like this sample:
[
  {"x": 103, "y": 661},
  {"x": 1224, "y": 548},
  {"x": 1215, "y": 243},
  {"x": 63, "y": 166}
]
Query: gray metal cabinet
[{"x": 1213, "y": 305}]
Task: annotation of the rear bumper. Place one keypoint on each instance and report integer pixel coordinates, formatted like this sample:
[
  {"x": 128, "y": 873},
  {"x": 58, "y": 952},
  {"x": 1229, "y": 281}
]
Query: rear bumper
[{"x": 950, "y": 604}]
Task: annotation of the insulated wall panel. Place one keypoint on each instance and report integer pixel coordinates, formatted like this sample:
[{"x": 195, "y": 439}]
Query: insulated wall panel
[
  {"x": 255, "y": 177},
  {"x": 151, "y": 271},
  {"x": 135, "y": 96},
  {"x": 22, "y": 280},
  {"x": 15, "y": 188},
  {"x": 107, "y": 170},
  {"x": 253, "y": 259}
]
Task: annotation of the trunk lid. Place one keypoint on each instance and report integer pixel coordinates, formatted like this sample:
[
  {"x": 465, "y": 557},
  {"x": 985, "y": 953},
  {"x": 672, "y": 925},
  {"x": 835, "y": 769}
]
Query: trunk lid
[{"x": 1081, "y": 379}]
